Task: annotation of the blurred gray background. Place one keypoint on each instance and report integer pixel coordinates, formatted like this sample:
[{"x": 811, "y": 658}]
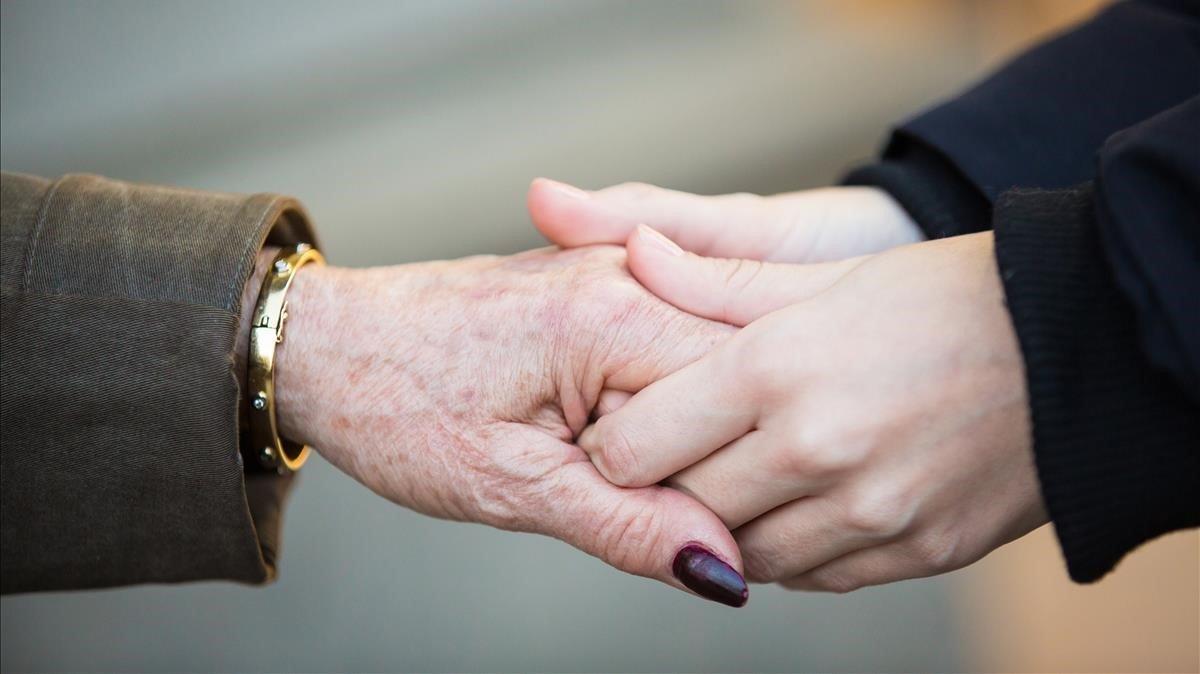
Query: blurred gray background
[{"x": 410, "y": 131}]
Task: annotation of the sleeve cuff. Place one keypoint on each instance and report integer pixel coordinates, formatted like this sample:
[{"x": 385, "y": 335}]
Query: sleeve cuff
[
  {"x": 1114, "y": 439},
  {"x": 937, "y": 196},
  {"x": 120, "y": 414}
]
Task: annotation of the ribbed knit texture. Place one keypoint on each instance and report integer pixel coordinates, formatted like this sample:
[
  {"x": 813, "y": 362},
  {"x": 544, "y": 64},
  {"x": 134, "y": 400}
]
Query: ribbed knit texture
[{"x": 1115, "y": 441}]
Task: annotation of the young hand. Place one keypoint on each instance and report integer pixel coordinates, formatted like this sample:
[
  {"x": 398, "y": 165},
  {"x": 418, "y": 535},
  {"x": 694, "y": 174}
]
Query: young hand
[
  {"x": 818, "y": 225},
  {"x": 869, "y": 423}
]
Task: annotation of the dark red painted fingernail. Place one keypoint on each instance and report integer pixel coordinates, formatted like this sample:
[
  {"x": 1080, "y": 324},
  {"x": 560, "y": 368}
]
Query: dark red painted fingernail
[{"x": 705, "y": 574}]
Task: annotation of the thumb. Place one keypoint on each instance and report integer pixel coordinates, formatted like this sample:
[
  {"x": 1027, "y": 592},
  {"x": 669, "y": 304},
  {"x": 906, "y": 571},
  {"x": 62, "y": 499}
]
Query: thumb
[
  {"x": 732, "y": 225},
  {"x": 655, "y": 532},
  {"x": 734, "y": 291},
  {"x": 610, "y": 401}
]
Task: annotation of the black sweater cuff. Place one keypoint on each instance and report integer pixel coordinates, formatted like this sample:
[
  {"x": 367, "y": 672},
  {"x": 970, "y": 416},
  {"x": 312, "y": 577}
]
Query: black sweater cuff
[
  {"x": 1114, "y": 439},
  {"x": 938, "y": 197}
]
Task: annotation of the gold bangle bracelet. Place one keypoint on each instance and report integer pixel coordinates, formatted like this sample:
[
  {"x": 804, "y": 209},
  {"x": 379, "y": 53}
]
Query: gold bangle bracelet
[{"x": 266, "y": 332}]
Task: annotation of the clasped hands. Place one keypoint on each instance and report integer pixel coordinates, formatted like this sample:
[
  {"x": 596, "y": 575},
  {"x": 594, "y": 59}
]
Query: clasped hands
[{"x": 798, "y": 397}]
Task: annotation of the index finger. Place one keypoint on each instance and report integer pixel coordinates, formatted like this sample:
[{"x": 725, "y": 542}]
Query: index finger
[{"x": 672, "y": 423}]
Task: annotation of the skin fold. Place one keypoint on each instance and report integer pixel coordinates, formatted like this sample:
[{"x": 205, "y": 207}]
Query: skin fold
[
  {"x": 456, "y": 389},
  {"x": 867, "y": 424},
  {"x": 870, "y": 422}
]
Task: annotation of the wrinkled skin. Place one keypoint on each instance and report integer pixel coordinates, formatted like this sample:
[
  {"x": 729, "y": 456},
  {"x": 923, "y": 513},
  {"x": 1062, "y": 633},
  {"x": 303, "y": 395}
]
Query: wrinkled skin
[
  {"x": 455, "y": 389},
  {"x": 869, "y": 424}
]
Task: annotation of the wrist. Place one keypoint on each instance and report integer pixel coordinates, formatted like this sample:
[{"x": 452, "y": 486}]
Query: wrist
[{"x": 302, "y": 358}]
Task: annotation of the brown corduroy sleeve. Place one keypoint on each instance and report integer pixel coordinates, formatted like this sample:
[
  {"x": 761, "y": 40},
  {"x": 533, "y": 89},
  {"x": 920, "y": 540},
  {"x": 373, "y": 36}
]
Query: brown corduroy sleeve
[{"x": 119, "y": 459}]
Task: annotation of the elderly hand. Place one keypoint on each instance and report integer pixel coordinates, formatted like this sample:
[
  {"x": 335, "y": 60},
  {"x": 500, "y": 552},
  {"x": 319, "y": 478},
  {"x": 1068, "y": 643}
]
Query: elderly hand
[
  {"x": 869, "y": 424},
  {"x": 818, "y": 225},
  {"x": 456, "y": 388}
]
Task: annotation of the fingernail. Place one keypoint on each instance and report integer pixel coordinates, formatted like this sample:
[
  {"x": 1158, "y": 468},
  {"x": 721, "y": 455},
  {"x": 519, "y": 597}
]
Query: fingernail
[
  {"x": 706, "y": 575},
  {"x": 659, "y": 241},
  {"x": 569, "y": 191}
]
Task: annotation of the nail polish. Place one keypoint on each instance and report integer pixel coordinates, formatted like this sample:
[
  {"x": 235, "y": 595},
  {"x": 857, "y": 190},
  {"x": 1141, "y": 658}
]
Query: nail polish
[{"x": 706, "y": 575}]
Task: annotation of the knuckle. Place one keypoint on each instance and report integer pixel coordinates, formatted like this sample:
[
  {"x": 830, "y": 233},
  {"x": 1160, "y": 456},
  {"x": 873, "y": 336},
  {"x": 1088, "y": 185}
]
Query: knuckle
[
  {"x": 762, "y": 561},
  {"x": 604, "y": 304},
  {"x": 935, "y": 552},
  {"x": 837, "y": 583},
  {"x": 760, "y": 566},
  {"x": 794, "y": 461},
  {"x": 616, "y": 457},
  {"x": 740, "y": 274},
  {"x": 630, "y": 534},
  {"x": 877, "y": 514},
  {"x": 591, "y": 277},
  {"x": 813, "y": 453},
  {"x": 817, "y": 448}
]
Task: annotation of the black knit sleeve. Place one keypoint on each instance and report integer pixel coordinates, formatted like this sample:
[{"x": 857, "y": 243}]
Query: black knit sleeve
[
  {"x": 1115, "y": 439},
  {"x": 1039, "y": 120},
  {"x": 937, "y": 196}
]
